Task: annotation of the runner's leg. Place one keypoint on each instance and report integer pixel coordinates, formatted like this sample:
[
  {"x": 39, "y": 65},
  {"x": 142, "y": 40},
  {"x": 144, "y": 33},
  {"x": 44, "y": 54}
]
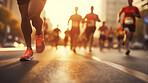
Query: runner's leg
[
  {"x": 25, "y": 24},
  {"x": 91, "y": 41},
  {"x": 127, "y": 32},
  {"x": 34, "y": 10}
]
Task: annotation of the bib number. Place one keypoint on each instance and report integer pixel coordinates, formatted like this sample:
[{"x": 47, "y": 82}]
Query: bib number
[
  {"x": 110, "y": 35},
  {"x": 102, "y": 33},
  {"x": 91, "y": 23},
  {"x": 129, "y": 20},
  {"x": 75, "y": 24},
  {"x": 121, "y": 33}
]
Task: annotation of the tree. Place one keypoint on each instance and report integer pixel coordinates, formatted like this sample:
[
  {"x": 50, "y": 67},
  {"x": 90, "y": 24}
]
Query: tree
[{"x": 6, "y": 18}]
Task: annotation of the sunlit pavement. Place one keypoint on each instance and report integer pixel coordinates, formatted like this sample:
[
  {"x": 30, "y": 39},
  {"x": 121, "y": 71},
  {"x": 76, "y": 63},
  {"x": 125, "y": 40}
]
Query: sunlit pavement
[{"x": 63, "y": 66}]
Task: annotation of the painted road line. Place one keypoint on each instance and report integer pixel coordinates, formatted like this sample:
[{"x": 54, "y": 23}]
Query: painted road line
[{"x": 132, "y": 72}]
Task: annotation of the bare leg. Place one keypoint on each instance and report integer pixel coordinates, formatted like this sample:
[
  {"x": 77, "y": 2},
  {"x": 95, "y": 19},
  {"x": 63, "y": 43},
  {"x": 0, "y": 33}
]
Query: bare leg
[
  {"x": 25, "y": 24},
  {"x": 127, "y": 32},
  {"x": 75, "y": 41},
  {"x": 35, "y": 8},
  {"x": 91, "y": 41}
]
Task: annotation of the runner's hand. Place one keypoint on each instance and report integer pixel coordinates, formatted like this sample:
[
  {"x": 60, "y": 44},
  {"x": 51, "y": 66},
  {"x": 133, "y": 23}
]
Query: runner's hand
[
  {"x": 135, "y": 14},
  {"x": 119, "y": 20}
]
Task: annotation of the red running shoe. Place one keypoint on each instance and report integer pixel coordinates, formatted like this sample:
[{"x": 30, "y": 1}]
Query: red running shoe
[
  {"x": 40, "y": 43},
  {"x": 27, "y": 56}
]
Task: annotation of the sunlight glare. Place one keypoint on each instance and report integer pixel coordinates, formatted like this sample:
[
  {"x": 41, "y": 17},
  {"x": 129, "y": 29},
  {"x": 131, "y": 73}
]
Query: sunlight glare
[{"x": 59, "y": 11}]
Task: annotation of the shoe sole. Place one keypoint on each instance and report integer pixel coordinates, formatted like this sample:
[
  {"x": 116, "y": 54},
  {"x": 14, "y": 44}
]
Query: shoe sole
[{"x": 24, "y": 59}]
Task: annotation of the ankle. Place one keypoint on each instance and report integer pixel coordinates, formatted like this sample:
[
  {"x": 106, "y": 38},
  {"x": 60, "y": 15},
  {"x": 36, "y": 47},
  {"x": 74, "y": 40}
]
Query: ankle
[
  {"x": 29, "y": 48},
  {"x": 38, "y": 32}
]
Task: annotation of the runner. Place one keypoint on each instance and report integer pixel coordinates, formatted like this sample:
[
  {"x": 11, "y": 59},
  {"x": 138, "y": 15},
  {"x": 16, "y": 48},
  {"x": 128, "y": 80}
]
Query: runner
[
  {"x": 103, "y": 30},
  {"x": 56, "y": 32},
  {"x": 120, "y": 36},
  {"x": 90, "y": 20},
  {"x": 66, "y": 37},
  {"x": 30, "y": 11},
  {"x": 110, "y": 36},
  {"x": 129, "y": 21},
  {"x": 75, "y": 29}
]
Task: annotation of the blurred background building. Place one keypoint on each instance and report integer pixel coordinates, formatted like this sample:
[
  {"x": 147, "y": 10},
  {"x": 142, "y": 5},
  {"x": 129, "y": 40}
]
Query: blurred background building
[
  {"x": 110, "y": 10},
  {"x": 141, "y": 26},
  {"x": 12, "y": 5},
  {"x": 141, "y": 4}
]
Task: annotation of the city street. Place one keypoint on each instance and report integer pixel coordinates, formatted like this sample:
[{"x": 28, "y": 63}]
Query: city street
[{"x": 63, "y": 66}]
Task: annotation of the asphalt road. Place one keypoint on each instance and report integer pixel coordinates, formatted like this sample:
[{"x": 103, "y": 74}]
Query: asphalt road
[{"x": 63, "y": 66}]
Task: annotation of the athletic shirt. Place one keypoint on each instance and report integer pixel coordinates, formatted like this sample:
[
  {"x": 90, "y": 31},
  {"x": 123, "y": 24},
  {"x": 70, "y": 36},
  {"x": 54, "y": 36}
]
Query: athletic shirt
[
  {"x": 120, "y": 32},
  {"x": 110, "y": 33},
  {"x": 103, "y": 30},
  {"x": 56, "y": 32},
  {"x": 129, "y": 18},
  {"x": 66, "y": 33},
  {"x": 91, "y": 19},
  {"x": 76, "y": 18}
]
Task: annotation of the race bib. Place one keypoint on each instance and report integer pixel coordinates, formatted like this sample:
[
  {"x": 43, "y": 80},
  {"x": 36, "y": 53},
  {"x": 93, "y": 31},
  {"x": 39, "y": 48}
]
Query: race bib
[
  {"x": 75, "y": 24},
  {"x": 110, "y": 35},
  {"x": 91, "y": 23},
  {"x": 102, "y": 33},
  {"x": 121, "y": 33},
  {"x": 129, "y": 20}
]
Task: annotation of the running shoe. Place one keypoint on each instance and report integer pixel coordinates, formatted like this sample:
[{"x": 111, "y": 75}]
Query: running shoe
[
  {"x": 28, "y": 55},
  {"x": 40, "y": 43},
  {"x": 127, "y": 52}
]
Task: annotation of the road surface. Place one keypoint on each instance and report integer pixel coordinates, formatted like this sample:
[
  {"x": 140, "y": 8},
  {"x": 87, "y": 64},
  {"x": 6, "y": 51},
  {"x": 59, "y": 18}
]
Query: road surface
[{"x": 63, "y": 66}]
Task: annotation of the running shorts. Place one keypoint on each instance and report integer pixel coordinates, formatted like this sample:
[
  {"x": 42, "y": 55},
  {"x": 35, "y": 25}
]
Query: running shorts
[
  {"x": 130, "y": 27},
  {"x": 120, "y": 38},
  {"x": 56, "y": 38},
  {"x": 110, "y": 39},
  {"x": 89, "y": 31},
  {"x": 74, "y": 31},
  {"x": 20, "y": 2},
  {"x": 102, "y": 37}
]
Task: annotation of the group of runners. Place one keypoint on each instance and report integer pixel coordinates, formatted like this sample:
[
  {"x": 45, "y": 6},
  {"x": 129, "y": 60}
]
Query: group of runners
[{"x": 31, "y": 9}]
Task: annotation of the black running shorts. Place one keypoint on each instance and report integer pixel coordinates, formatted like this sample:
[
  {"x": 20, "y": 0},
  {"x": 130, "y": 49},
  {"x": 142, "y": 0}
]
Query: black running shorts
[
  {"x": 20, "y": 2},
  {"x": 89, "y": 30},
  {"x": 102, "y": 37},
  {"x": 120, "y": 38},
  {"x": 110, "y": 39},
  {"x": 130, "y": 27}
]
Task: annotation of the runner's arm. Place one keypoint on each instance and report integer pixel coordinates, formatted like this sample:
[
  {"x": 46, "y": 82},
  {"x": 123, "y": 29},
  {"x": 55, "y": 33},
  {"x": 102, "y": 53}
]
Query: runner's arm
[
  {"x": 84, "y": 19},
  {"x": 137, "y": 14},
  {"x": 119, "y": 16},
  {"x": 98, "y": 19}
]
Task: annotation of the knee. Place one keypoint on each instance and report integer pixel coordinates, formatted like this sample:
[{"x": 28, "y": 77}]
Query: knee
[{"x": 33, "y": 14}]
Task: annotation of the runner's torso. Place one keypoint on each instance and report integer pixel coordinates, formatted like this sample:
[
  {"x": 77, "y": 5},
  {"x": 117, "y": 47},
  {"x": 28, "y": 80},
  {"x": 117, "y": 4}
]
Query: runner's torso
[
  {"x": 103, "y": 30},
  {"x": 76, "y": 18},
  {"x": 56, "y": 32},
  {"x": 129, "y": 18},
  {"x": 91, "y": 20},
  {"x": 111, "y": 34}
]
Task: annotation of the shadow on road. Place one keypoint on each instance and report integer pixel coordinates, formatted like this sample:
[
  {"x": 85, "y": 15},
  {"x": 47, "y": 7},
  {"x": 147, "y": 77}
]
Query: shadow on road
[
  {"x": 14, "y": 72},
  {"x": 10, "y": 55}
]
